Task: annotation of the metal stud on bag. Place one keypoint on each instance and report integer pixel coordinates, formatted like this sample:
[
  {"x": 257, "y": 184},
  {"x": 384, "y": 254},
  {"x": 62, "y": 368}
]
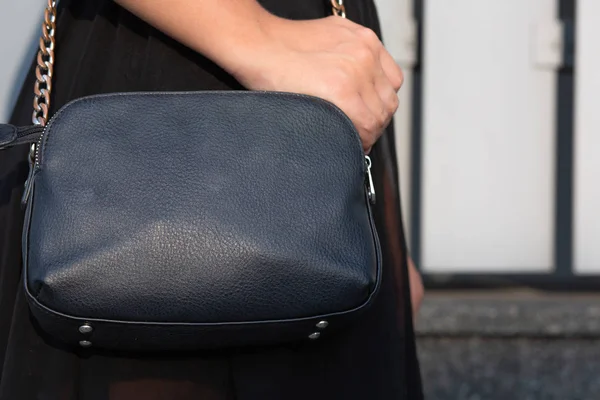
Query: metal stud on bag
[
  {"x": 320, "y": 325},
  {"x": 86, "y": 329}
]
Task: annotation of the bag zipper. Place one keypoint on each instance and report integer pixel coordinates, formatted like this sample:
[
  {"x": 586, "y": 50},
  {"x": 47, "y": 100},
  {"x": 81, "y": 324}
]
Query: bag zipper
[
  {"x": 34, "y": 159},
  {"x": 29, "y": 131},
  {"x": 370, "y": 185},
  {"x": 34, "y": 162},
  {"x": 29, "y": 182}
]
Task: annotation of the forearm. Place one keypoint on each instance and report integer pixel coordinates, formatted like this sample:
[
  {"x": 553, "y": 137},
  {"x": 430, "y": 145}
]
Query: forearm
[
  {"x": 331, "y": 58},
  {"x": 229, "y": 32}
]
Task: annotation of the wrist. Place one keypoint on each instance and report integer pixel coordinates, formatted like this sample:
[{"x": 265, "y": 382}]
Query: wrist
[
  {"x": 238, "y": 35},
  {"x": 246, "y": 51}
]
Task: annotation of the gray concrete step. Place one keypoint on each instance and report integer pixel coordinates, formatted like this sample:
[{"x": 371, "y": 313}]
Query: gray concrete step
[{"x": 510, "y": 345}]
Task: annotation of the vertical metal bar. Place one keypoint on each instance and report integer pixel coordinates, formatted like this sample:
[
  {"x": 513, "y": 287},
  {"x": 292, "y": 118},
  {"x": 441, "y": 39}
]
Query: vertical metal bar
[
  {"x": 586, "y": 220},
  {"x": 416, "y": 153},
  {"x": 563, "y": 237}
]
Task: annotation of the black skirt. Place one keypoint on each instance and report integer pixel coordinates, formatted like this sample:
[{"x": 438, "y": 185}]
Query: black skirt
[{"x": 102, "y": 48}]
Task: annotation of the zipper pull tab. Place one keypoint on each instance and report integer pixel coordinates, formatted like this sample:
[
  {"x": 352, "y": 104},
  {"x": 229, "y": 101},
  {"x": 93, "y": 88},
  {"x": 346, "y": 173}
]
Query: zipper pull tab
[
  {"x": 371, "y": 187},
  {"x": 29, "y": 181}
]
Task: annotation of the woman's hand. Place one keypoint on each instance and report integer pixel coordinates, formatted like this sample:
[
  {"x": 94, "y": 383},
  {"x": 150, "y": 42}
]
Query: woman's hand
[{"x": 332, "y": 58}]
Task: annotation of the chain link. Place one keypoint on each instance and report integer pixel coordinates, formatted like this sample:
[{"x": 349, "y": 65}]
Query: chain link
[
  {"x": 338, "y": 8},
  {"x": 45, "y": 66}
]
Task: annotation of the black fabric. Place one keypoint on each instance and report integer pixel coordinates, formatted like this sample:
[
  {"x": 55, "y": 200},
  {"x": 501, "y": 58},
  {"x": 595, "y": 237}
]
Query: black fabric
[
  {"x": 8, "y": 133},
  {"x": 101, "y": 49}
]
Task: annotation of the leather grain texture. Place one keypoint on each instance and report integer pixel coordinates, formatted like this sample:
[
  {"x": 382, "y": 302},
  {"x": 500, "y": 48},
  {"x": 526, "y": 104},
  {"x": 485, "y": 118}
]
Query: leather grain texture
[{"x": 198, "y": 220}]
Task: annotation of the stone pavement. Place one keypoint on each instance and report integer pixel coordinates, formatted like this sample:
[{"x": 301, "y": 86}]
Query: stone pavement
[{"x": 510, "y": 345}]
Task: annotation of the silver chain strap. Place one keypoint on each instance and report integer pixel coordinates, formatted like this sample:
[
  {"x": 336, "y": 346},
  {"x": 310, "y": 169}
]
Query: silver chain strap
[
  {"x": 338, "y": 8},
  {"x": 45, "y": 66}
]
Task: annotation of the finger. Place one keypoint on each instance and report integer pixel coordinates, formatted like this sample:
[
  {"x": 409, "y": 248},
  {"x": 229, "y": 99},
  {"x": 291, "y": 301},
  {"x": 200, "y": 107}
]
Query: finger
[
  {"x": 388, "y": 96},
  {"x": 360, "y": 114},
  {"x": 370, "y": 94},
  {"x": 369, "y": 37},
  {"x": 391, "y": 69}
]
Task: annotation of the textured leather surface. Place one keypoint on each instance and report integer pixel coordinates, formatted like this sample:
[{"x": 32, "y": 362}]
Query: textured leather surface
[{"x": 205, "y": 216}]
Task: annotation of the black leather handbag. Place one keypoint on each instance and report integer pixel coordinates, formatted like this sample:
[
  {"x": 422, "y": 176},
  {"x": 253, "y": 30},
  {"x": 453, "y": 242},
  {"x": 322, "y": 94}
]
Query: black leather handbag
[{"x": 194, "y": 220}]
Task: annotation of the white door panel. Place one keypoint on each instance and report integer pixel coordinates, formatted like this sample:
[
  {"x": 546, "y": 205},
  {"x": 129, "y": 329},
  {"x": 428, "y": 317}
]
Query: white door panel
[{"x": 488, "y": 136}]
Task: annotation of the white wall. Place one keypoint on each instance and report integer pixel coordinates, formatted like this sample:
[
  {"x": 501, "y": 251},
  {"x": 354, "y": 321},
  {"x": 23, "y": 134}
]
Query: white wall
[
  {"x": 488, "y": 136},
  {"x": 20, "y": 26}
]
